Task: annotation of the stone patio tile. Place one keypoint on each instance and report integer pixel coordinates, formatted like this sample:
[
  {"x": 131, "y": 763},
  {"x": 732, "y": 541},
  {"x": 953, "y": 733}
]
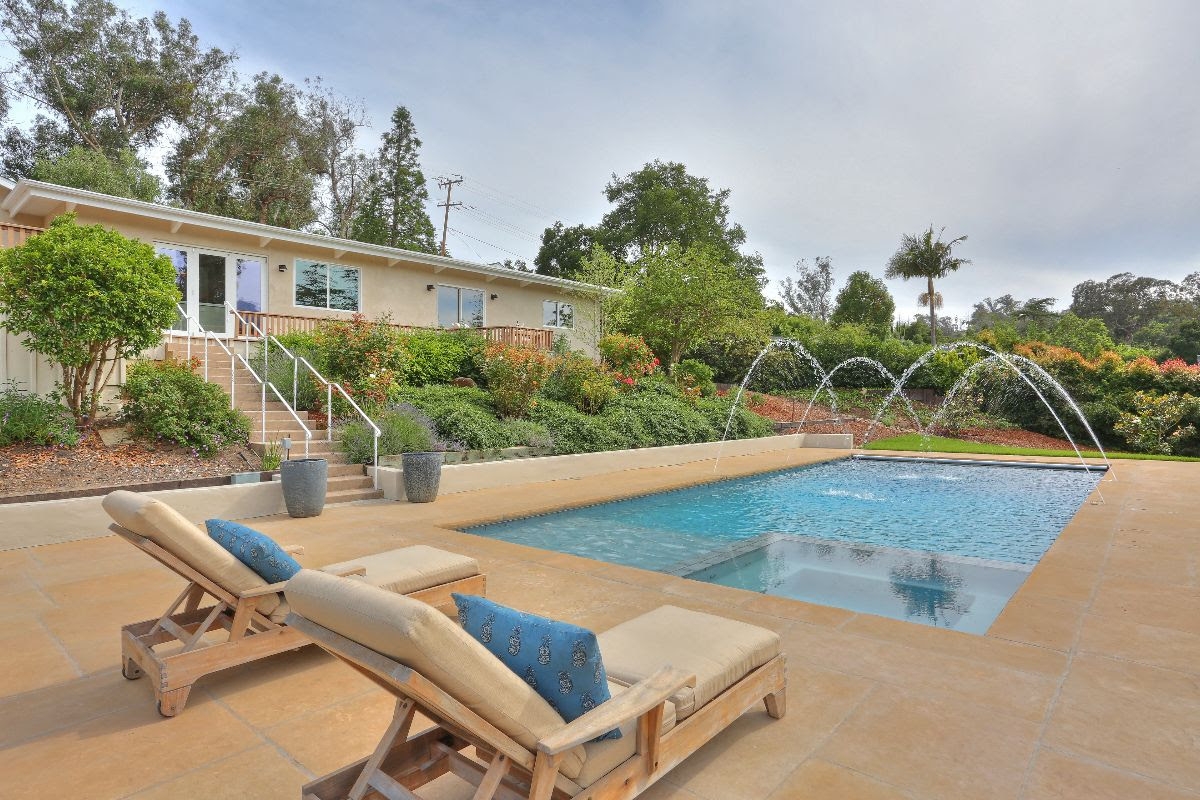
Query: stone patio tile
[
  {"x": 1060, "y": 777},
  {"x": 799, "y": 610},
  {"x": 122, "y": 752},
  {"x": 756, "y": 753},
  {"x": 819, "y": 780},
  {"x": 325, "y": 740},
  {"x": 262, "y": 773},
  {"x": 1148, "y": 602},
  {"x": 310, "y": 679},
  {"x": 1155, "y": 556},
  {"x": 935, "y": 747},
  {"x": 642, "y": 578},
  {"x": 33, "y": 659},
  {"x": 1036, "y": 620},
  {"x": 1000, "y": 652},
  {"x": 1146, "y": 644},
  {"x": 68, "y": 703},
  {"x": 1060, "y": 582},
  {"x": 1005, "y": 691},
  {"x": 726, "y": 595},
  {"x": 1132, "y": 716}
]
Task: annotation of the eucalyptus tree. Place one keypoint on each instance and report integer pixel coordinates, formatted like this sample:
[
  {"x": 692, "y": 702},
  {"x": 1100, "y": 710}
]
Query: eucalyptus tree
[{"x": 926, "y": 256}]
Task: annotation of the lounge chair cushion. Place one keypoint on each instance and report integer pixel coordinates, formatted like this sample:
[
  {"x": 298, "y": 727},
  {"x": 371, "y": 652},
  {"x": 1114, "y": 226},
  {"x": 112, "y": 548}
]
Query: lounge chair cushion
[
  {"x": 718, "y": 650},
  {"x": 167, "y": 528},
  {"x": 256, "y": 550},
  {"x": 410, "y": 569},
  {"x": 603, "y": 755},
  {"x": 419, "y": 636},
  {"x": 559, "y": 660}
]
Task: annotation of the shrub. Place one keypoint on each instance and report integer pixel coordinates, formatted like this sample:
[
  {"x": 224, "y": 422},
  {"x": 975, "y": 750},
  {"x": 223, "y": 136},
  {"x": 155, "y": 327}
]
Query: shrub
[
  {"x": 167, "y": 400},
  {"x": 435, "y": 357},
  {"x": 522, "y": 432},
  {"x": 366, "y": 358},
  {"x": 474, "y": 427},
  {"x": 401, "y": 430},
  {"x": 514, "y": 375},
  {"x": 694, "y": 377},
  {"x": 575, "y": 432},
  {"x": 746, "y": 424},
  {"x": 25, "y": 417},
  {"x": 629, "y": 356},
  {"x": 668, "y": 418},
  {"x": 1157, "y": 422},
  {"x": 580, "y": 382}
]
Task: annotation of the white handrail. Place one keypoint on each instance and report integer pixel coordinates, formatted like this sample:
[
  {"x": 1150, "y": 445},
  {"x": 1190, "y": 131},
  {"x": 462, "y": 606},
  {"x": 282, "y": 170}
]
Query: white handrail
[{"x": 266, "y": 338}]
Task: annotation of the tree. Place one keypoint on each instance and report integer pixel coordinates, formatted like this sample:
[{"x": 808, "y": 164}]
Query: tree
[
  {"x": 110, "y": 82},
  {"x": 1186, "y": 344},
  {"x": 393, "y": 213},
  {"x": 1125, "y": 302},
  {"x": 678, "y": 298},
  {"x": 865, "y": 300},
  {"x": 930, "y": 258},
  {"x": 255, "y": 156},
  {"x": 1088, "y": 337},
  {"x": 122, "y": 176},
  {"x": 1033, "y": 315},
  {"x": 658, "y": 205},
  {"x": 808, "y": 295},
  {"x": 596, "y": 298},
  {"x": 345, "y": 171},
  {"x": 86, "y": 297}
]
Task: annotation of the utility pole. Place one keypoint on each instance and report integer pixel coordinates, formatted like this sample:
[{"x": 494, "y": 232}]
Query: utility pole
[{"x": 447, "y": 184}]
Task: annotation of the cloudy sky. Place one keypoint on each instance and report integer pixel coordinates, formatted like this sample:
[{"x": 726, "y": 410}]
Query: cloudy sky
[{"x": 1062, "y": 137}]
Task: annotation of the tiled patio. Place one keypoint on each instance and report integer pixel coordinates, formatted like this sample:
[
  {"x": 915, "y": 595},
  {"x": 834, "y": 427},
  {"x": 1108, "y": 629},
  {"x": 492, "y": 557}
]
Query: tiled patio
[{"x": 1087, "y": 686}]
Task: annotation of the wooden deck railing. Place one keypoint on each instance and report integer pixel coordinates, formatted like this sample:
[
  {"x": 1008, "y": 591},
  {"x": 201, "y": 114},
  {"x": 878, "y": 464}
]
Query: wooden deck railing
[
  {"x": 12, "y": 235},
  {"x": 277, "y": 324}
]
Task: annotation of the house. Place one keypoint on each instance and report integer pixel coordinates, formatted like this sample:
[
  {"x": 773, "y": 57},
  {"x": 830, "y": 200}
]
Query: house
[{"x": 280, "y": 279}]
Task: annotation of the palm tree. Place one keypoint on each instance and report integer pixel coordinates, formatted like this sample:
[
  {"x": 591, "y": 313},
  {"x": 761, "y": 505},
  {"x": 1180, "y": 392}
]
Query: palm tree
[{"x": 926, "y": 257}]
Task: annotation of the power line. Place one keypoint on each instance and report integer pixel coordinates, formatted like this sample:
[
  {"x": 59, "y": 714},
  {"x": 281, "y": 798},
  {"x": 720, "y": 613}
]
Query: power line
[{"x": 489, "y": 244}]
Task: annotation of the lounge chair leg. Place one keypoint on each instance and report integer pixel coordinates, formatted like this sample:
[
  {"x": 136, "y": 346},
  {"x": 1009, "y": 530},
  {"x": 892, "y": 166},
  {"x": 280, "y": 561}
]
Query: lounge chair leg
[
  {"x": 130, "y": 670},
  {"x": 172, "y": 702},
  {"x": 776, "y": 703},
  {"x": 545, "y": 771}
]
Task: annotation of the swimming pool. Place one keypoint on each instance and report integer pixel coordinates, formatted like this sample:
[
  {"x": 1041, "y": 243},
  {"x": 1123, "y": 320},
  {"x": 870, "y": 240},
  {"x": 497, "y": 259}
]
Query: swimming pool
[{"x": 941, "y": 543}]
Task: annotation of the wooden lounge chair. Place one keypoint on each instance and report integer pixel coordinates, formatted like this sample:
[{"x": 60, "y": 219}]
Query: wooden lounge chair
[
  {"x": 522, "y": 747},
  {"x": 245, "y": 621}
]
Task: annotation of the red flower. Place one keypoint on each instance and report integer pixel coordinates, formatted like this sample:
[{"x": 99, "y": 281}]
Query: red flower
[{"x": 628, "y": 381}]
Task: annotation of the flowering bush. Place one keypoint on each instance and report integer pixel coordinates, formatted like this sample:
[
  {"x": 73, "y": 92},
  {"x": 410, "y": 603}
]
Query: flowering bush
[
  {"x": 629, "y": 357},
  {"x": 366, "y": 357},
  {"x": 514, "y": 375},
  {"x": 1156, "y": 424},
  {"x": 581, "y": 382}
]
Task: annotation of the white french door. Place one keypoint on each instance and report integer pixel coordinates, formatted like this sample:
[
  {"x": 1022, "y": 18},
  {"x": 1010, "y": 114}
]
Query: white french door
[{"x": 206, "y": 279}]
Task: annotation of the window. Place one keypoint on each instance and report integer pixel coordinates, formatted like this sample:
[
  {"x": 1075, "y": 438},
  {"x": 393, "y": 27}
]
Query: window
[
  {"x": 459, "y": 308},
  {"x": 327, "y": 286},
  {"x": 556, "y": 314}
]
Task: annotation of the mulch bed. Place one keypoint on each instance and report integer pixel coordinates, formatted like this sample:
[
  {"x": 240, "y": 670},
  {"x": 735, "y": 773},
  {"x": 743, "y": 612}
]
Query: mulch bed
[{"x": 30, "y": 470}]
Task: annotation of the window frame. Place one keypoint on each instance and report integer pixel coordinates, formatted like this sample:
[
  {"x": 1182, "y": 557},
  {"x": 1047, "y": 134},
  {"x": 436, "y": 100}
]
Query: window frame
[
  {"x": 459, "y": 290},
  {"x": 328, "y": 266},
  {"x": 558, "y": 304}
]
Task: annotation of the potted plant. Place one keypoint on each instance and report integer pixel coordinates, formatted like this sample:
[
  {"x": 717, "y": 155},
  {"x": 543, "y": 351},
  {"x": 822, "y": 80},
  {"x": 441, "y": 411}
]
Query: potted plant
[{"x": 407, "y": 432}]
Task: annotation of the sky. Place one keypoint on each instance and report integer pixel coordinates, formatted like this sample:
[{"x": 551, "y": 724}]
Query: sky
[{"x": 1062, "y": 138}]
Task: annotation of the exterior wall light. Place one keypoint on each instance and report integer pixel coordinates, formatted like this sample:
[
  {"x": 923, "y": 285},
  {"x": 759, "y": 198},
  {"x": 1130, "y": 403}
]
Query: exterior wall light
[
  {"x": 429, "y": 287},
  {"x": 495, "y": 297},
  {"x": 283, "y": 267}
]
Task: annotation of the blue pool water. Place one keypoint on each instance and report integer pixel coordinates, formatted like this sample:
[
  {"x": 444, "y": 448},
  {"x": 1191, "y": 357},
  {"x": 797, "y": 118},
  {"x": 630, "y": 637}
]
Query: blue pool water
[{"x": 943, "y": 544}]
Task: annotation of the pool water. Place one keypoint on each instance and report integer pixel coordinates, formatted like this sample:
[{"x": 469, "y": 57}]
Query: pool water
[{"x": 938, "y": 543}]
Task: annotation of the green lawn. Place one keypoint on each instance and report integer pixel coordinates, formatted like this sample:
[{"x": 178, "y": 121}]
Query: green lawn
[{"x": 940, "y": 444}]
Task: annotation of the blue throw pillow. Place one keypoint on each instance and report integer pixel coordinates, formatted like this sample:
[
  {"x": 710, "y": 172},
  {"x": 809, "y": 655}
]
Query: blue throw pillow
[
  {"x": 560, "y": 661},
  {"x": 256, "y": 550}
]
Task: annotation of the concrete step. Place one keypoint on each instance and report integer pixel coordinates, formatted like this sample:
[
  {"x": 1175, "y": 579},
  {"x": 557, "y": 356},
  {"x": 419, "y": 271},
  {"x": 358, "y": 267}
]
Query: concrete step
[
  {"x": 346, "y": 470},
  {"x": 347, "y": 482},
  {"x": 350, "y": 496}
]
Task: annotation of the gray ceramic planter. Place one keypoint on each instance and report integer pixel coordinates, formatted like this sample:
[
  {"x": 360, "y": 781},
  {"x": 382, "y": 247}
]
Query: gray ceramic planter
[
  {"x": 305, "y": 481},
  {"x": 422, "y": 475}
]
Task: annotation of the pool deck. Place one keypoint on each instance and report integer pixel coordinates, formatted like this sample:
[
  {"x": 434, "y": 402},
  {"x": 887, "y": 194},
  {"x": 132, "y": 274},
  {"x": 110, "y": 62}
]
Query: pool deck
[{"x": 1087, "y": 685}]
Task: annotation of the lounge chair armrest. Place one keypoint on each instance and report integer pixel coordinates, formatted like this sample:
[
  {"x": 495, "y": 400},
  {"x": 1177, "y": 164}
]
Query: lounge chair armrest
[
  {"x": 293, "y": 549},
  {"x": 628, "y": 705},
  {"x": 348, "y": 571},
  {"x": 270, "y": 588}
]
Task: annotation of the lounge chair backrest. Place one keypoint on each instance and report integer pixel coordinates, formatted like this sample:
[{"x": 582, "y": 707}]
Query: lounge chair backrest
[
  {"x": 167, "y": 528},
  {"x": 427, "y": 641}
]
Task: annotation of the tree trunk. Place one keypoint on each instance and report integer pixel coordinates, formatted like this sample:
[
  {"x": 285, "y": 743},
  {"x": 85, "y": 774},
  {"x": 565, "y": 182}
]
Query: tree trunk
[{"x": 932, "y": 315}]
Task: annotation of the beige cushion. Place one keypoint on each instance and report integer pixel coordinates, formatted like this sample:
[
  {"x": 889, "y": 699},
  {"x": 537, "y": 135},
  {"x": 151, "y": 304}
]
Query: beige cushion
[
  {"x": 718, "y": 650},
  {"x": 601, "y": 757},
  {"x": 421, "y": 637},
  {"x": 410, "y": 569},
  {"x": 167, "y": 528}
]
